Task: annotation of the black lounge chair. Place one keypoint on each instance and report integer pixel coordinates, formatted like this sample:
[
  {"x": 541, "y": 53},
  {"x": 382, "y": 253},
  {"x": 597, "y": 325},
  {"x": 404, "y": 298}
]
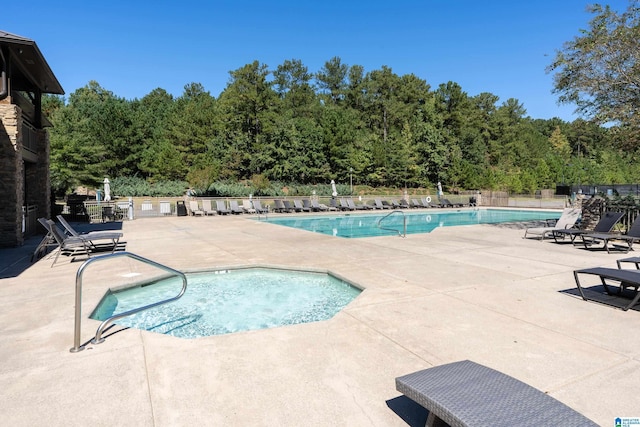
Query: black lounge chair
[
  {"x": 381, "y": 205},
  {"x": 426, "y": 202},
  {"x": 626, "y": 279},
  {"x": 288, "y": 207},
  {"x": 234, "y": 207},
  {"x": 469, "y": 394},
  {"x": 306, "y": 203},
  {"x": 605, "y": 225},
  {"x": 258, "y": 207},
  {"x": 300, "y": 207},
  {"x": 221, "y": 208},
  {"x": 361, "y": 207},
  {"x": 632, "y": 235},
  {"x": 344, "y": 205},
  {"x": 81, "y": 244},
  {"x": 278, "y": 206}
]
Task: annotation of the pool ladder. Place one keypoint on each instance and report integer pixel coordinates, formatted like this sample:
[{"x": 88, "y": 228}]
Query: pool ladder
[
  {"x": 103, "y": 326},
  {"x": 404, "y": 223}
]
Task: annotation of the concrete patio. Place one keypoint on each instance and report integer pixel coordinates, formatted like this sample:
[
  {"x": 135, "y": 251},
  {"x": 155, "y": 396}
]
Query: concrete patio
[{"x": 477, "y": 292}]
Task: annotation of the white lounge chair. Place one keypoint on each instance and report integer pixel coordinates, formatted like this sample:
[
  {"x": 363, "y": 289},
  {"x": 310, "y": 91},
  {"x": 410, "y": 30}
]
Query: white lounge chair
[
  {"x": 246, "y": 207},
  {"x": 206, "y": 207},
  {"x": 194, "y": 208},
  {"x": 567, "y": 220}
]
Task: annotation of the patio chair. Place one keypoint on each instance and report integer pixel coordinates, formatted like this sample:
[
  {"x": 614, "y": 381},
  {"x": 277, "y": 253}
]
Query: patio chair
[
  {"x": 221, "y": 208},
  {"x": 96, "y": 235},
  {"x": 258, "y": 207},
  {"x": 567, "y": 220},
  {"x": 631, "y": 236},
  {"x": 48, "y": 241},
  {"x": 426, "y": 202},
  {"x": 344, "y": 206},
  {"x": 445, "y": 203},
  {"x": 466, "y": 393},
  {"x": 605, "y": 225},
  {"x": 75, "y": 245},
  {"x": 360, "y": 207},
  {"x": 194, "y": 208},
  {"x": 625, "y": 279},
  {"x": 247, "y": 208},
  {"x": 306, "y": 203},
  {"x": 300, "y": 207},
  {"x": 319, "y": 207},
  {"x": 415, "y": 204},
  {"x": 288, "y": 207},
  {"x": 234, "y": 208},
  {"x": 380, "y": 205},
  {"x": 207, "y": 208},
  {"x": 278, "y": 206},
  {"x": 291, "y": 207}
]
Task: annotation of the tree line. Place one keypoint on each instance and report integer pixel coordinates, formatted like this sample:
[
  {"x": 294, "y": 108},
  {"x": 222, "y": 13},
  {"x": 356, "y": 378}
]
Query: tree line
[{"x": 295, "y": 126}]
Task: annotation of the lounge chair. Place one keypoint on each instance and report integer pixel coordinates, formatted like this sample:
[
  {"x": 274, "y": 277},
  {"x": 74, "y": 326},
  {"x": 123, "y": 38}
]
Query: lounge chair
[
  {"x": 445, "y": 203},
  {"x": 344, "y": 205},
  {"x": 221, "y": 208},
  {"x": 288, "y": 207},
  {"x": 625, "y": 279},
  {"x": 299, "y": 206},
  {"x": 247, "y": 208},
  {"x": 194, "y": 208},
  {"x": 605, "y": 225},
  {"x": 380, "y": 205},
  {"x": 306, "y": 203},
  {"x": 292, "y": 206},
  {"x": 206, "y": 207},
  {"x": 321, "y": 207},
  {"x": 426, "y": 202},
  {"x": 415, "y": 204},
  {"x": 278, "y": 206},
  {"x": 466, "y": 393},
  {"x": 234, "y": 208},
  {"x": 632, "y": 235},
  {"x": 361, "y": 206},
  {"x": 80, "y": 244},
  {"x": 47, "y": 242},
  {"x": 258, "y": 207},
  {"x": 567, "y": 220},
  {"x": 70, "y": 231}
]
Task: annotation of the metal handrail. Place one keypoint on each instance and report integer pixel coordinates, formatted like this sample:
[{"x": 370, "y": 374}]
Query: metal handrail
[
  {"x": 98, "y": 338},
  {"x": 404, "y": 223}
]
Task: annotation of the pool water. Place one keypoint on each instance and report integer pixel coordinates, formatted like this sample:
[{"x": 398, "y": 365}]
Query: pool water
[
  {"x": 228, "y": 301},
  {"x": 366, "y": 225}
]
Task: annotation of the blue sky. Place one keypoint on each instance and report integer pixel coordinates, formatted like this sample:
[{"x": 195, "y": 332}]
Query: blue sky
[{"x": 132, "y": 47}]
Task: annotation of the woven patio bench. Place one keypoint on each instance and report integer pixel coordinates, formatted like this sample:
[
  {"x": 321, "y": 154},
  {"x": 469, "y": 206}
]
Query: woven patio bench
[{"x": 469, "y": 394}]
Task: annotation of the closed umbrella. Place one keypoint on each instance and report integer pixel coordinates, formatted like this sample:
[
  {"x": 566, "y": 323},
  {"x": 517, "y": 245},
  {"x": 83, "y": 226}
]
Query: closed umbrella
[
  {"x": 334, "y": 191},
  {"x": 440, "y": 193},
  {"x": 107, "y": 190}
]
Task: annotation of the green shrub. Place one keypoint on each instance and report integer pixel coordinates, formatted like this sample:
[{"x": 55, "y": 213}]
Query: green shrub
[{"x": 133, "y": 186}]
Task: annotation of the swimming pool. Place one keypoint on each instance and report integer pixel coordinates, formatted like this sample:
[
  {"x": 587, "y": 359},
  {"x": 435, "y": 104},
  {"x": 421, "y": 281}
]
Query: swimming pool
[
  {"x": 227, "y": 301},
  {"x": 366, "y": 225}
]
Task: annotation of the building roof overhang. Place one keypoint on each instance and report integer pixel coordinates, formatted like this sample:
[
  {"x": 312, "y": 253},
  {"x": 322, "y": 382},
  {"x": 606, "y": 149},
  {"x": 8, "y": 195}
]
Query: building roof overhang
[{"x": 31, "y": 63}]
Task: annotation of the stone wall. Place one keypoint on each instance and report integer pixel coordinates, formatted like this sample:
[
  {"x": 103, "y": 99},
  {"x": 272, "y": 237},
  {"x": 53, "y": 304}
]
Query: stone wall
[{"x": 11, "y": 176}]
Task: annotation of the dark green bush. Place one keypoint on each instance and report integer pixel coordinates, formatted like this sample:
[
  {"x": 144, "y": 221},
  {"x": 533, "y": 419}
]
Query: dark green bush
[{"x": 133, "y": 186}]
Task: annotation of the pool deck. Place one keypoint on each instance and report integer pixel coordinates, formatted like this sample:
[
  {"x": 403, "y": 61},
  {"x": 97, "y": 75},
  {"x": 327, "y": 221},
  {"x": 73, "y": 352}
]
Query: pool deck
[{"x": 477, "y": 292}]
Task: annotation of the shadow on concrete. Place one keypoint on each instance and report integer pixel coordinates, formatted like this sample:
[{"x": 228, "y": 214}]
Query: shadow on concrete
[
  {"x": 411, "y": 413},
  {"x": 598, "y": 294}
]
